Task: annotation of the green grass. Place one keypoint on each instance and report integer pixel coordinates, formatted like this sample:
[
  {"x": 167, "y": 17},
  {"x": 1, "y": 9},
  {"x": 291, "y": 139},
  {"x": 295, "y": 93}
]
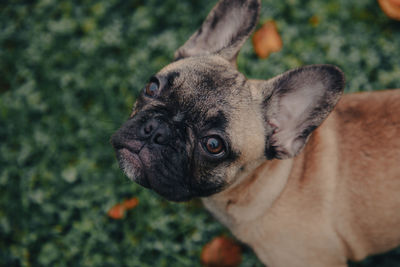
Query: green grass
[{"x": 69, "y": 73}]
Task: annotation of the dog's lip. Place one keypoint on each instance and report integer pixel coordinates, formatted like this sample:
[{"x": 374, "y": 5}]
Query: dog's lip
[
  {"x": 134, "y": 159},
  {"x": 134, "y": 146}
]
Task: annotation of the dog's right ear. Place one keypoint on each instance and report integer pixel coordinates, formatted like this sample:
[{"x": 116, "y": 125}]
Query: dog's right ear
[{"x": 224, "y": 31}]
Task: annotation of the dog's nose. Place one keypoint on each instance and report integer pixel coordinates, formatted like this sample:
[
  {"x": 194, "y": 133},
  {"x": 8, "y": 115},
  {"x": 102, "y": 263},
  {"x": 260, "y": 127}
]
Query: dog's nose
[{"x": 156, "y": 131}]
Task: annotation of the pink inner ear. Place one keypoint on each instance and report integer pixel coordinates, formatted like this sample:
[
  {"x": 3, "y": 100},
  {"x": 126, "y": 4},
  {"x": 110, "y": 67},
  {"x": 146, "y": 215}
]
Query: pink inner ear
[
  {"x": 293, "y": 111},
  {"x": 298, "y": 102}
]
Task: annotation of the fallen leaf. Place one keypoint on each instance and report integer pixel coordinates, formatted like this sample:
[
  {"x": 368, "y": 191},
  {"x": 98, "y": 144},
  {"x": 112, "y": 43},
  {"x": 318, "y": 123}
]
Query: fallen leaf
[
  {"x": 267, "y": 40},
  {"x": 221, "y": 252},
  {"x": 314, "y": 21},
  {"x": 117, "y": 212},
  {"x": 391, "y": 8},
  {"x": 130, "y": 203}
]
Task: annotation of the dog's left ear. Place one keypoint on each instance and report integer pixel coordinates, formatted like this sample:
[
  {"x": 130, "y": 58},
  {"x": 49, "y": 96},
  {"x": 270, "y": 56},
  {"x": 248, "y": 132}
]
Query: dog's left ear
[
  {"x": 295, "y": 103},
  {"x": 224, "y": 31}
]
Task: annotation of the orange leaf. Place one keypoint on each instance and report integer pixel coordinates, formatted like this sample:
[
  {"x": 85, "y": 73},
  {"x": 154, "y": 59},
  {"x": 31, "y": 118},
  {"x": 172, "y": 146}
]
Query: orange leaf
[
  {"x": 130, "y": 203},
  {"x": 221, "y": 252},
  {"x": 391, "y": 8},
  {"x": 117, "y": 212},
  {"x": 267, "y": 40},
  {"x": 314, "y": 20}
]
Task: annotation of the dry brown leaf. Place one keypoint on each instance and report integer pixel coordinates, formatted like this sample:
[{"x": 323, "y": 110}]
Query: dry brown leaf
[
  {"x": 221, "y": 252},
  {"x": 130, "y": 203},
  {"x": 267, "y": 40},
  {"x": 391, "y": 8},
  {"x": 117, "y": 212},
  {"x": 314, "y": 21}
]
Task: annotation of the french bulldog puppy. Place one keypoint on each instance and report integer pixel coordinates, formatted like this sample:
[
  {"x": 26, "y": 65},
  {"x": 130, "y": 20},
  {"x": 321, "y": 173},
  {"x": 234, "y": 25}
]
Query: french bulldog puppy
[{"x": 301, "y": 177}]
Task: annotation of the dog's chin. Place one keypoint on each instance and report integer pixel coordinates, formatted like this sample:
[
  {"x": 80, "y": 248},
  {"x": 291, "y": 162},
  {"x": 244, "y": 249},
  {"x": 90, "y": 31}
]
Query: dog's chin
[
  {"x": 175, "y": 197},
  {"x": 132, "y": 166}
]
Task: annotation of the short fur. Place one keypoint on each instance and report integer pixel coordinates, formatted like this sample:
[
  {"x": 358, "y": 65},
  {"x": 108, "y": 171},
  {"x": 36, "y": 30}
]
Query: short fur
[{"x": 300, "y": 187}]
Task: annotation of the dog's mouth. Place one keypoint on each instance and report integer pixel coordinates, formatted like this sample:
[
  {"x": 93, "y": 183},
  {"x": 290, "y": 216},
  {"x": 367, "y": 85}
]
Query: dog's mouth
[
  {"x": 154, "y": 166},
  {"x": 137, "y": 166},
  {"x": 132, "y": 165}
]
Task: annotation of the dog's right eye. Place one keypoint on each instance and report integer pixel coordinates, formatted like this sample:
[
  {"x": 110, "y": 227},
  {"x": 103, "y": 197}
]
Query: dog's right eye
[{"x": 151, "y": 89}]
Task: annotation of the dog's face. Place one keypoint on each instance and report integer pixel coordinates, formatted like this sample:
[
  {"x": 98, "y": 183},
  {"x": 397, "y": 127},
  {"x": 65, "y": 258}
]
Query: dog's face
[
  {"x": 187, "y": 136},
  {"x": 199, "y": 123}
]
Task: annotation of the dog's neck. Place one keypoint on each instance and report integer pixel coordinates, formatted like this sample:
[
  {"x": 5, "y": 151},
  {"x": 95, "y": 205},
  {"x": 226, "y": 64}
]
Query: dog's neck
[{"x": 231, "y": 206}]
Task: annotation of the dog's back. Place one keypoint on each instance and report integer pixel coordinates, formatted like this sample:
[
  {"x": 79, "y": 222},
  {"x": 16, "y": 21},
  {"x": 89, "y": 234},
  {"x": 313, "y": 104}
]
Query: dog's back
[{"x": 368, "y": 134}]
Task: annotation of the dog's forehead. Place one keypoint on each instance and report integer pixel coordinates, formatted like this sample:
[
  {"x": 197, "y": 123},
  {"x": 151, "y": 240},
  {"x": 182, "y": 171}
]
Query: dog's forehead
[
  {"x": 203, "y": 86},
  {"x": 203, "y": 75},
  {"x": 208, "y": 81}
]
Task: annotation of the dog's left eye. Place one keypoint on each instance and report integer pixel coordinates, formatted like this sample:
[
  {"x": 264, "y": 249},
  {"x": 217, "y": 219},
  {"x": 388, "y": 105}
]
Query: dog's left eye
[
  {"x": 214, "y": 145},
  {"x": 151, "y": 89}
]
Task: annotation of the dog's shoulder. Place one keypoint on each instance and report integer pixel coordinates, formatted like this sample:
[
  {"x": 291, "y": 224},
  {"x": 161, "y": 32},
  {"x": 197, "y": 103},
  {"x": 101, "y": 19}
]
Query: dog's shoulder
[{"x": 377, "y": 109}]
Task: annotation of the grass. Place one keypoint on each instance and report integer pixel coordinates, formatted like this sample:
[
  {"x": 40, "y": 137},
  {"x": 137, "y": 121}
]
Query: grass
[{"x": 69, "y": 74}]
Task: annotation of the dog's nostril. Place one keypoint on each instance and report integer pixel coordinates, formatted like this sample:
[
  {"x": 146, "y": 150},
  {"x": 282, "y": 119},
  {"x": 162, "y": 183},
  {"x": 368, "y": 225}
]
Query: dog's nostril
[
  {"x": 159, "y": 139},
  {"x": 148, "y": 128},
  {"x": 161, "y": 135},
  {"x": 156, "y": 132}
]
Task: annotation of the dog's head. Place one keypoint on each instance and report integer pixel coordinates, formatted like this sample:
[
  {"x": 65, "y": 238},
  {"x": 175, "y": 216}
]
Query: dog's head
[{"x": 199, "y": 123}]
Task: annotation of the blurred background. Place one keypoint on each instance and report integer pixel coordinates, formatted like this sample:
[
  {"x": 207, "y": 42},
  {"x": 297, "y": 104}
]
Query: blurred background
[{"x": 69, "y": 74}]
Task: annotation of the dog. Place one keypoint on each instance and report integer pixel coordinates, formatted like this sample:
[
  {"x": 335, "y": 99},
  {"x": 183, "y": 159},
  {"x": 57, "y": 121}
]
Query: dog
[{"x": 304, "y": 176}]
